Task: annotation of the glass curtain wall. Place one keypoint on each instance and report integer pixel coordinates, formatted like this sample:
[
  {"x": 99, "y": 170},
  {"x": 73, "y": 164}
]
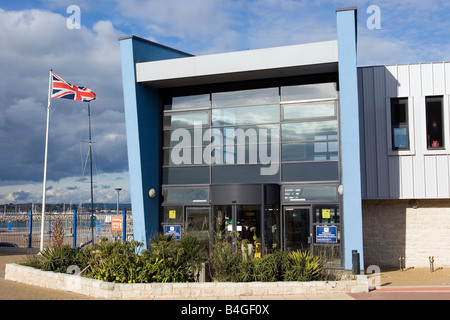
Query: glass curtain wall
[
  {"x": 270, "y": 135},
  {"x": 286, "y": 135}
]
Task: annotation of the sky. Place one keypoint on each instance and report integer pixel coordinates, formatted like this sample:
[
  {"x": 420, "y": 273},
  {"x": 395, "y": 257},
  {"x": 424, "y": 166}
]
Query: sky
[{"x": 36, "y": 36}]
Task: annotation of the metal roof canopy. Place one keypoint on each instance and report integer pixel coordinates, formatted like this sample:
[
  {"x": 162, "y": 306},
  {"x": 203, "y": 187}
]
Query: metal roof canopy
[{"x": 303, "y": 59}]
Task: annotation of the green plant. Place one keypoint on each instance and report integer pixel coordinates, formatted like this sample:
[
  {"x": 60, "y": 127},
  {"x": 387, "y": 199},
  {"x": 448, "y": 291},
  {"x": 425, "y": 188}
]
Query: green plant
[
  {"x": 194, "y": 254},
  {"x": 175, "y": 261},
  {"x": 223, "y": 261},
  {"x": 303, "y": 266},
  {"x": 116, "y": 262},
  {"x": 243, "y": 272},
  {"x": 32, "y": 260},
  {"x": 270, "y": 268},
  {"x": 58, "y": 259}
]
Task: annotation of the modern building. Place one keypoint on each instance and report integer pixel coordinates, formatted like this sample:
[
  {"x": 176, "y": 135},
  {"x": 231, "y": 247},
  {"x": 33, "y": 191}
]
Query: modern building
[{"x": 290, "y": 148}]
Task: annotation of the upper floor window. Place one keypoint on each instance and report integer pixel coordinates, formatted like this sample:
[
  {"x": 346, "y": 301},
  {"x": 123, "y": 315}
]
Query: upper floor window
[
  {"x": 399, "y": 124},
  {"x": 435, "y": 123}
]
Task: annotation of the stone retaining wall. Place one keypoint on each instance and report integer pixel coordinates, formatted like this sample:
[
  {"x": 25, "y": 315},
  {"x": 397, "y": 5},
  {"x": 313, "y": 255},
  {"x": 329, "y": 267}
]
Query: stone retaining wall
[{"x": 107, "y": 290}]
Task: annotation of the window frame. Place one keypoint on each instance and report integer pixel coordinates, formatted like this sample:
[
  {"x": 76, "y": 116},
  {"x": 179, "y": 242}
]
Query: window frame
[
  {"x": 410, "y": 117},
  {"x": 444, "y": 124},
  {"x": 400, "y": 124}
]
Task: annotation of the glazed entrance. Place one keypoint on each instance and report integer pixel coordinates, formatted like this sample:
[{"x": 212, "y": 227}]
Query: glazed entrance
[
  {"x": 259, "y": 233},
  {"x": 248, "y": 214},
  {"x": 262, "y": 217}
]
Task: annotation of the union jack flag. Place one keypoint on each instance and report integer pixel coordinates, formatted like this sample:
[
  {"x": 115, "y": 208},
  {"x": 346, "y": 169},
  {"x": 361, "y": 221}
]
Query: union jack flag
[{"x": 63, "y": 89}]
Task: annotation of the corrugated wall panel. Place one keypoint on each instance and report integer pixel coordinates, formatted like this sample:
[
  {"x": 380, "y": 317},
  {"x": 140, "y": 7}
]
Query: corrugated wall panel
[
  {"x": 391, "y": 81},
  {"x": 427, "y": 79},
  {"x": 394, "y": 178},
  {"x": 415, "y": 82},
  {"x": 370, "y": 133},
  {"x": 442, "y": 176},
  {"x": 381, "y": 133},
  {"x": 416, "y": 173},
  {"x": 430, "y": 177},
  {"x": 438, "y": 78},
  {"x": 403, "y": 81},
  {"x": 406, "y": 177},
  {"x": 362, "y": 134},
  {"x": 447, "y": 78}
]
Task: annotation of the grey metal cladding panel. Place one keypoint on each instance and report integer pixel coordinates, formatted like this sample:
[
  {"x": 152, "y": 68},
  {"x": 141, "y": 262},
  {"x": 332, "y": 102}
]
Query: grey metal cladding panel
[
  {"x": 415, "y": 173},
  {"x": 310, "y": 171},
  {"x": 371, "y": 133},
  {"x": 374, "y": 147},
  {"x": 382, "y": 126},
  {"x": 236, "y": 193},
  {"x": 362, "y": 134},
  {"x": 241, "y": 174},
  {"x": 394, "y": 167}
]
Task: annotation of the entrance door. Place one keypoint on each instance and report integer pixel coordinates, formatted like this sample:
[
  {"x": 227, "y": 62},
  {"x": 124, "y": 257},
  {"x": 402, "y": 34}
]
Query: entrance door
[
  {"x": 197, "y": 222},
  {"x": 297, "y": 228},
  {"x": 238, "y": 222}
]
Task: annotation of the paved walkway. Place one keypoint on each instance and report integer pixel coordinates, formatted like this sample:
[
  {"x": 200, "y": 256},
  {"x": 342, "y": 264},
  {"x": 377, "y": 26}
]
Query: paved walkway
[
  {"x": 410, "y": 284},
  {"x": 11, "y": 290}
]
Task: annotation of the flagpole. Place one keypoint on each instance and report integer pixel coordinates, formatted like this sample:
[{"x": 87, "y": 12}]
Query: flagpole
[
  {"x": 90, "y": 164},
  {"x": 45, "y": 159}
]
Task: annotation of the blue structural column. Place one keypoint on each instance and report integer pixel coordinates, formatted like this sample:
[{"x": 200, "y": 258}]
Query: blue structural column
[
  {"x": 124, "y": 225},
  {"x": 74, "y": 242},
  {"x": 349, "y": 125},
  {"x": 142, "y": 119},
  {"x": 30, "y": 228}
]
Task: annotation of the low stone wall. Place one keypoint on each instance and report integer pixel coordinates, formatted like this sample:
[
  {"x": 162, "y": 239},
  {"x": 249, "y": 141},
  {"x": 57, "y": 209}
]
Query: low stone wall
[{"x": 206, "y": 290}]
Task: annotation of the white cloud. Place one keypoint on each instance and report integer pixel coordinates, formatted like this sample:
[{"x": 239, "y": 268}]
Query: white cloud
[
  {"x": 34, "y": 41},
  {"x": 180, "y": 18},
  {"x": 381, "y": 51},
  {"x": 197, "y": 26}
]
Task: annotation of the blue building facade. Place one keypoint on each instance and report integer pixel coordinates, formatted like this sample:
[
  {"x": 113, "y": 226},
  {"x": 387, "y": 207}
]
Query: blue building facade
[{"x": 256, "y": 145}]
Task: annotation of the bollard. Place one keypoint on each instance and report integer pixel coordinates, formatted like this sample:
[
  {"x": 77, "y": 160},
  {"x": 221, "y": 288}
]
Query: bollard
[
  {"x": 355, "y": 262},
  {"x": 402, "y": 262},
  {"x": 431, "y": 259}
]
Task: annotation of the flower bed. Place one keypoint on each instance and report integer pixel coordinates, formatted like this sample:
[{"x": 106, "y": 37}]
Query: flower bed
[{"x": 208, "y": 290}]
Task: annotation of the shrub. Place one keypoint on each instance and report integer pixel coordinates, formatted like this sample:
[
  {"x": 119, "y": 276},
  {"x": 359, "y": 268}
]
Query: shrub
[
  {"x": 223, "y": 261},
  {"x": 271, "y": 267},
  {"x": 243, "y": 272},
  {"x": 303, "y": 267},
  {"x": 226, "y": 265},
  {"x": 179, "y": 261},
  {"x": 167, "y": 262},
  {"x": 116, "y": 262},
  {"x": 193, "y": 254},
  {"x": 32, "y": 260},
  {"x": 58, "y": 259}
]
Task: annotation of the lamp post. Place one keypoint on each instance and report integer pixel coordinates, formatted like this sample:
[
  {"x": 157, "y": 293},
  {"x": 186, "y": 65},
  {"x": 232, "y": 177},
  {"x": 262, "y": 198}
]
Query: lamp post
[{"x": 118, "y": 190}]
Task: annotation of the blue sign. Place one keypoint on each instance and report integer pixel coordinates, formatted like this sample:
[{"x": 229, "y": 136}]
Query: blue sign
[
  {"x": 9, "y": 225},
  {"x": 99, "y": 226},
  {"x": 174, "y": 230},
  {"x": 326, "y": 234}
]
